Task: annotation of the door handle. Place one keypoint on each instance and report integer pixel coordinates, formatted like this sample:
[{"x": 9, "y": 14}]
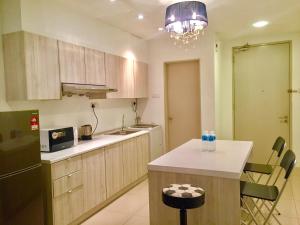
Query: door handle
[
  {"x": 284, "y": 121},
  {"x": 283, "y": 117}
]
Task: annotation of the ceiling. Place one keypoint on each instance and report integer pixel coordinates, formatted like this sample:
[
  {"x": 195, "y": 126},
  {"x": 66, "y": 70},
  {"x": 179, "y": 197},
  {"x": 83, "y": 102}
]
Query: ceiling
[{"x": 228, "y": 18}]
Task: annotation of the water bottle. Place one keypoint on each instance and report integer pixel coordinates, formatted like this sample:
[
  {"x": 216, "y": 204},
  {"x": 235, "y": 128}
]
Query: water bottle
[
  {"x": 205, "y": 137},
  {"x": 212, "y": 141}
]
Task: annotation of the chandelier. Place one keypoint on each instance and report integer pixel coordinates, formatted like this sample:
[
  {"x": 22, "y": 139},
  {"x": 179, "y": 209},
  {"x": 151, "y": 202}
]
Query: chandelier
[{"x": 185, "y": 21}]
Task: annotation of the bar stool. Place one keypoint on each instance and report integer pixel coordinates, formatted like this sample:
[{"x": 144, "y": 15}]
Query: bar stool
[{"x": 183, "y": 197}]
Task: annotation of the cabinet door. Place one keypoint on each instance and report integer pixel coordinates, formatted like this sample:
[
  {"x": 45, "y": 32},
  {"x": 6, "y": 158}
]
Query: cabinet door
[
  {"x": 31, "y": 67},
  {"x": 72, "y": 65},
  {"x": 114, "y": 169},
  {"x": 112, "y": 73},
  {"x": 42, "y": 68},
  {"x": 130, "y": 161},
  {"x": 126, "y": 85},
  {"x": 143, "y": 154},
  {"x": 140, "y": 80},
  {"x": 95, "y": 67},
  {"x": 68, "y": 207},
  {"x": 94, "y": 182}
]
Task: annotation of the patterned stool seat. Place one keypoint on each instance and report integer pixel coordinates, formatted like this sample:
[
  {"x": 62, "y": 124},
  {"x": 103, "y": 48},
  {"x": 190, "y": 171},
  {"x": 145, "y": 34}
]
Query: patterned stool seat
[{"x": 183, "y": 196}]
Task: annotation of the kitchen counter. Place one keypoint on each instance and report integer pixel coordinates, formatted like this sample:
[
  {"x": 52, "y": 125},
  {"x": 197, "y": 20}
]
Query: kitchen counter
[
  {"x": 99, "y": 141},
  {"x": 227, "y": 161}
]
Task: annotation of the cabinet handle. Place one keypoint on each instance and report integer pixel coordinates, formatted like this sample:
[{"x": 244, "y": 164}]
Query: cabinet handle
[
  {"x": 70, "y": 191},
  {"x": 70, "y": 175}
]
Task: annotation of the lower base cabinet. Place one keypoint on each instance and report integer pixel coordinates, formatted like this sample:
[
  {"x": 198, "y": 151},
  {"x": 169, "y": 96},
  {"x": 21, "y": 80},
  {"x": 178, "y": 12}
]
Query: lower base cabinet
[
  {"x": 68, "y": 206},
  {"x": 94, "y": 182},
  {"x": 82, "y": 183},
  {"x": 114, "y": 169}
]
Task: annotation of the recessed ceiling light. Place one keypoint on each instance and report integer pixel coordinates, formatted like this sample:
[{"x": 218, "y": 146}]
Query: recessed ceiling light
[
  {"x": 112, "y": 0},
  {"x": 260, "y": 24},
  {"x": 140, "y": 16},
  {"x": 160, "y": 29}
]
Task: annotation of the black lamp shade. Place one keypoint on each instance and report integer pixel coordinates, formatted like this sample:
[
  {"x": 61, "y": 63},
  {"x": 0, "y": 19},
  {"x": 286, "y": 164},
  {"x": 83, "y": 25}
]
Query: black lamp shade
[{"x": 186, "y": 11}]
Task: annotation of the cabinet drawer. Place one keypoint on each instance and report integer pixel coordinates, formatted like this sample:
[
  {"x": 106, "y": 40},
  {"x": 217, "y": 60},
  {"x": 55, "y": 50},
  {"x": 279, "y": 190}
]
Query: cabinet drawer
[
  {"x": 66, "y": 167},
  {"x": 67, "y": 183}
]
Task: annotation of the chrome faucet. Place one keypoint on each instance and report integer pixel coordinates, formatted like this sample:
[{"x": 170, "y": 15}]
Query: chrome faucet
[{"x": 123, "y": 122}]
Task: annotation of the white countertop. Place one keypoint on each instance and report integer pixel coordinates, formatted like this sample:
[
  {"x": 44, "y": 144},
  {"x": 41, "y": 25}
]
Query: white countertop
[
  {"x": 227, "y": 161},
  {"x": 86, "y": 146}
]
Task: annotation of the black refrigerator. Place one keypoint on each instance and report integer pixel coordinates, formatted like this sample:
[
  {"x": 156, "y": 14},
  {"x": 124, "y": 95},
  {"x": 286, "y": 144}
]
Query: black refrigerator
[{"x": 21, "y": 199}]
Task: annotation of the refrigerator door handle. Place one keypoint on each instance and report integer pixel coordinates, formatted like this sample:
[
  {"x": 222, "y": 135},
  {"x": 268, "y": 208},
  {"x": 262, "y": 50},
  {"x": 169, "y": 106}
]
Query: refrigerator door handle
[{"x": 20, "y": 171}]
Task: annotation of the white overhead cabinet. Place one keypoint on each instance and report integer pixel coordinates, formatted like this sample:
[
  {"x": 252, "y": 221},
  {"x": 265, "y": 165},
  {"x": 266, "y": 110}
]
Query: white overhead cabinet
[
  {"x": 31, "y": 67},
  {"x": 71, "y": 62}
]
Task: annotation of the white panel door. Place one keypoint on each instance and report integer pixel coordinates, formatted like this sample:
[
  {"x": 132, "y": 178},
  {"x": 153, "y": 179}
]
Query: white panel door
[{"x": 261, "y": 83}]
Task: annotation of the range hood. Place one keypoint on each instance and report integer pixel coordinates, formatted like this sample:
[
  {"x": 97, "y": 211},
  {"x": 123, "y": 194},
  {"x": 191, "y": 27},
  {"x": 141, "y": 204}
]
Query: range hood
[{"x": 91, "y": 91}]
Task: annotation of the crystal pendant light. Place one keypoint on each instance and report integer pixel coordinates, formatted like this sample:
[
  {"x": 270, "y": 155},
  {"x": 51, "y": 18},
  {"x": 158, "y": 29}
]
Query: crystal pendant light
[{"x": 185, "y": 21}]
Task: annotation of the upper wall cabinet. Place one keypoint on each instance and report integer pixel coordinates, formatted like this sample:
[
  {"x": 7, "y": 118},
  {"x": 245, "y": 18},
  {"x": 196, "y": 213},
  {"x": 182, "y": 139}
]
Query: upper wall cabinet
[
  {"x": 113, "y": 73},
  {"x": 140, "y": 80},
  {"x": 72, "y": 63},
  {"x": 94, "y": 67},
  {"x": 119, "y": 75},
  {"x": 31, "y": 67}
]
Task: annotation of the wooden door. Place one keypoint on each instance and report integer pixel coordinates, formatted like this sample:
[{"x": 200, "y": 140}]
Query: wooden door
[
  {"x": 130, "y": 161},
  {"x": 183, "y": 102},
  {"x": 94, "y": 181},
  {"x": 72, "y": 63},
  {"x": 143, "y": 154},
  {"x": 114, "y": 169},
  {"x": 261, "y": 98},
  {"x": 94, "y": 67},
  {"x": 140, "y": 80},
  {"x": 42, "y": 68}
]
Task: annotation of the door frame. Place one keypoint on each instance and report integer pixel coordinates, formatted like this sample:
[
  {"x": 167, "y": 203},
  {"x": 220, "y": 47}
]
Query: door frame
[
  {"x": 234, "y": 50},
  {"x": 166, "y": 96}
]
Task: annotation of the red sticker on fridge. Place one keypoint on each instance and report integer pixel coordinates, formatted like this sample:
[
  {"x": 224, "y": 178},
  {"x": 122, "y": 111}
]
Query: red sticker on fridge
[{"x": 34, "y": 122}]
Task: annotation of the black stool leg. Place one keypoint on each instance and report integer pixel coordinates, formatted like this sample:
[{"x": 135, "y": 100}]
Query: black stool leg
[{"x": 183, "y": 217}]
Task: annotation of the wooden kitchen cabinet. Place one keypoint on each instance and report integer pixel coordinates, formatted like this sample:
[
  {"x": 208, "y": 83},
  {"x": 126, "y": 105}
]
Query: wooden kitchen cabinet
[
  {"x": 94, "y": 67},
  {"x": 130, "y": 161},
  {"x": 142, "y": 144},
  {"x": 94, "y": 181},
  {"x": 68, "y": 206},
  {"x": 113, "y": 74},
  {"x": 119, "y": 75},
  {"x": 114, "y": 169},
  {"x": 72, "y": 63},
  {"x": 140, "y": 80},
  {"x": 31, "y": 67}
]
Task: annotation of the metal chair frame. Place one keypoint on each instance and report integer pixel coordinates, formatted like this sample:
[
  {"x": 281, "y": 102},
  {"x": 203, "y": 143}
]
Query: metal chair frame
[{"x": 271, "y": 209}]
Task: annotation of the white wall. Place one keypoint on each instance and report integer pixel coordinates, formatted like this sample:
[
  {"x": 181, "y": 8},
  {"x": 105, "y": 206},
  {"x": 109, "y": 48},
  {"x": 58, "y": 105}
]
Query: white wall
[
  {"x": 163, "y": 50},
  {"x": 53, "y": 19},
  {"x": 225, "y": 94}
]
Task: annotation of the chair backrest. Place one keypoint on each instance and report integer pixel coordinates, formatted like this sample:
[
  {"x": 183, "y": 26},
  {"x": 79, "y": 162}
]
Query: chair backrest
[
  {"x": 288, "y": 163},
  {"x": 279, "y": 145}
]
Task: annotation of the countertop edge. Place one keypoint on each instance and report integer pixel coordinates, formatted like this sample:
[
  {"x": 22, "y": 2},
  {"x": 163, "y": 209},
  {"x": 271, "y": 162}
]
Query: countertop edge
[
  {"x": 121, "y": 138},
  {"x": 198, "y": 172}
]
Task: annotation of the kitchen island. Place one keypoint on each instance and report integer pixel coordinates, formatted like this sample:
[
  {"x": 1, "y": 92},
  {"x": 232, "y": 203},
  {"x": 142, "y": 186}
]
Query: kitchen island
[{"x": 218, "y": 173}]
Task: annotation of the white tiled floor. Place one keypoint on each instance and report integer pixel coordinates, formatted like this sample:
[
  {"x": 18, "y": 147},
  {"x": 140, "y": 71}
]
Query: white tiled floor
[{"x": 133, "y": 207}]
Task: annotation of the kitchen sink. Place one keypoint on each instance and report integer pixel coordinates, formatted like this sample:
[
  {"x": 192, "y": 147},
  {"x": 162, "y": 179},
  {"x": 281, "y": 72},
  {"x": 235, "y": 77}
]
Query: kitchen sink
[
  {"x": 123, "y": 132},
  {"x": 143, "y": 125}
]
